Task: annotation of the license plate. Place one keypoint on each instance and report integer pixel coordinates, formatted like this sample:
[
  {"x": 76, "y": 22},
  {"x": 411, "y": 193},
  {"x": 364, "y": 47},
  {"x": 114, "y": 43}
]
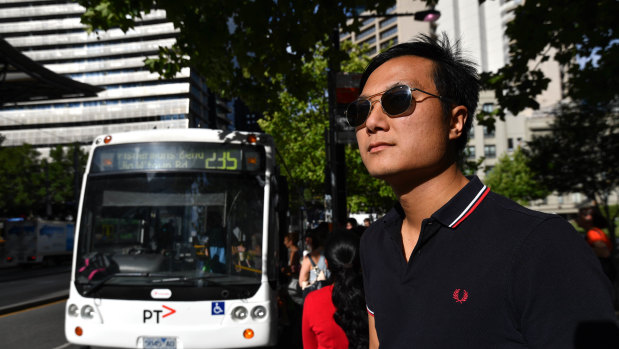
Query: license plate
[{"x": 159, "y": 342}]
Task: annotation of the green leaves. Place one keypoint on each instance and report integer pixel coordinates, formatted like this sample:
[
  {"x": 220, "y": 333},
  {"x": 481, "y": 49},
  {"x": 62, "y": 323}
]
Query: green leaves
[
  {"x": 242, "y": 48},
  {"x": 544, "y": 29},
  {"x": 298, "y": 127},
  {"x": 581, "y": 152},
  {"x": 513, "y": 178},
  {"x": 28, "y": 183}
]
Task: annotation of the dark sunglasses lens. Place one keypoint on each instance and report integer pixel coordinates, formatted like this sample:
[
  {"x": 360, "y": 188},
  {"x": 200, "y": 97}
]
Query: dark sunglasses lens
[
  {"x": 397, "y": 100},
  {"x": 357, "y": 112}
]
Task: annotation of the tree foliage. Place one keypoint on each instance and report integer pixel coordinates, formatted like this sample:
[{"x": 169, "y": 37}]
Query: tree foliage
[
  {"x": 580, "y": 36},
  {"x": 20, "y": 180},
  {"x": 242, "y": 48},
  {"x": 298, "y": 127},
  {"x": 512, "y": 178},
  {"x": 28, "y": 183},
  {"x": 581, "y": 153}
]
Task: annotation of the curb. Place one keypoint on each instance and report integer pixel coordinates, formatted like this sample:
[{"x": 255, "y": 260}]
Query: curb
[{"x": 53, "y": 297}]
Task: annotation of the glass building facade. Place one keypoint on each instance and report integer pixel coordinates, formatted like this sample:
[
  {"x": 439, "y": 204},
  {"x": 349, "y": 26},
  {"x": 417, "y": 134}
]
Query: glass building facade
[{"x": 50, "y": 33}]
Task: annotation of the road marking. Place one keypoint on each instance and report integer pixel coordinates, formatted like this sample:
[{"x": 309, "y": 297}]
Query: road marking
[
  {"x": 62, "y": 346},
  {"x": 33, "y": 308}
]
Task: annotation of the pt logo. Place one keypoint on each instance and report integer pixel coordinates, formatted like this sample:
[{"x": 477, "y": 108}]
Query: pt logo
[
  {"x": 148, "y": 314},
  {"x": 456, "y": 296}
]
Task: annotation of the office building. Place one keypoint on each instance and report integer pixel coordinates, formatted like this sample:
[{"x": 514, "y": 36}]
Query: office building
[
  {"x": 481, "y": 30},
  {"x": 50, "y": 33},
  {"x": 380, "y": 33}
]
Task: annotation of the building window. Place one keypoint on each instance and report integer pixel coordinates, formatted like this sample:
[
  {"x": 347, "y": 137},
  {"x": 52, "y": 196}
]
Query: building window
[
  {"x": 387, "y": 21},
  {"x": 366, "y": 33},
  {"x": 472, "y": 132},
  {"x": 470, "y": 152},
  {"x": 488, "y": 169},
  {"x": 367, "y": 21},
  {"x": 488, "y": 133},
  {"x": 389, "y": 32},
  {"x": 490, "y": 151},
  {"x": 487, "y": 107},
  {"x": 510, "y": 144},
  {"x": 389, "y": 43},
  {"x": 369, "y": 41}
]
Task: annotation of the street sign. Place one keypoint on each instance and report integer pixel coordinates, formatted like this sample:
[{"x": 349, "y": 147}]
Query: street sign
[{"x": 347, "y": 87}]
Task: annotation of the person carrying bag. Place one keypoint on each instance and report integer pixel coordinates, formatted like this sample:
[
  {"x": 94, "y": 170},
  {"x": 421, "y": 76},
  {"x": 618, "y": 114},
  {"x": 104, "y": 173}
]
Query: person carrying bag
[{"x": 318, "y": 276}]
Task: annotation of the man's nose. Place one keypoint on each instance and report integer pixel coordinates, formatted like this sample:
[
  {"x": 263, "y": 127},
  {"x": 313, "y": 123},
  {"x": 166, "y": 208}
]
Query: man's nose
[{"x": 377, "y": 119}]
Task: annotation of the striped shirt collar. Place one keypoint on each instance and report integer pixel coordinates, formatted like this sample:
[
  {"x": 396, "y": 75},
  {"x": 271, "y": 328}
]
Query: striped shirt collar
[
  {"x": 463, "y": 204},
  {"x": 453, "y": 213}
]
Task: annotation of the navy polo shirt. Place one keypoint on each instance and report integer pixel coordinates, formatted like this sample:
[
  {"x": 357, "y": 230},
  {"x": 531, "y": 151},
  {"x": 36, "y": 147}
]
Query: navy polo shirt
[{"x": 485, "y": 273}]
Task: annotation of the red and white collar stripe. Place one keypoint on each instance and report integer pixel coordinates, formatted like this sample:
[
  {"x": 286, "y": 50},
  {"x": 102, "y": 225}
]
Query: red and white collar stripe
[
  {"x": 369, "y": 311},
  {"x": 471, "y": 207}
]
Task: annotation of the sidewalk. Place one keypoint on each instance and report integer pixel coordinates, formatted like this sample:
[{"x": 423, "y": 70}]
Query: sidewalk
[
  {"x": 25, "y": 288},
  {"x": 34, "y": 302}
]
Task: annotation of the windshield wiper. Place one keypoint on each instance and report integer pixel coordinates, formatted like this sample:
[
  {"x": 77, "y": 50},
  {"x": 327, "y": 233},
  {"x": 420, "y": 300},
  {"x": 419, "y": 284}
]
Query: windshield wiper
[
  {"x": 207, "y": 278},
  {"x": 103, "y": 281}
]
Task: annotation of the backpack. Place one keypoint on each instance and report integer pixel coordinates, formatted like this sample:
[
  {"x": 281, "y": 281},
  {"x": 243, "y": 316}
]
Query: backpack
[{"x": 96, "y": 266}]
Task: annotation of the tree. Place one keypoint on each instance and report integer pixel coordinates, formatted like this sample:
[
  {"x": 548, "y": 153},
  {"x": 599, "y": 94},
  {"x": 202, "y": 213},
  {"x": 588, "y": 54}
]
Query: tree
[
  {"x": 581, "y": 37},
  {"x": 299, "y": 127},
  {"x": 242, "y": 48},
  {"x": 28, "y": 183},
  {"x": 512, "y": 177},
  {"x": 58, "y": 189},
  {"x": 580, "y": 154},
  {"x": 20, "y": 180}
]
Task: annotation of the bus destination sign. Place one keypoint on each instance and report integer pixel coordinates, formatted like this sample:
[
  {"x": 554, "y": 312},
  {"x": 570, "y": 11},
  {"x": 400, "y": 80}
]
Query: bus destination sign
[{"x": 175, "y": 156}]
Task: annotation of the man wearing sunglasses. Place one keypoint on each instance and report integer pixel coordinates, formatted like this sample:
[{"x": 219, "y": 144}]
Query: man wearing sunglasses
[{"x": 453, "y": 264}]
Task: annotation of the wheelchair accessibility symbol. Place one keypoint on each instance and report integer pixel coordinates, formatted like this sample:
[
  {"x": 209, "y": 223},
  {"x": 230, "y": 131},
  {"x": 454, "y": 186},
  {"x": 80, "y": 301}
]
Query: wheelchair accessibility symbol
[{"x": 218, "y": 308}]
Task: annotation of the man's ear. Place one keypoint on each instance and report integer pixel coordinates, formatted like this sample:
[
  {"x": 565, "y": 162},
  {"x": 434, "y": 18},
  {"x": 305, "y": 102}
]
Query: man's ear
[{"x": 459, "y": 114}]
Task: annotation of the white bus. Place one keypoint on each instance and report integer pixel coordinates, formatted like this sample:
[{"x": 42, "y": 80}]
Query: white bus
[{"x": 176, "y": 241}]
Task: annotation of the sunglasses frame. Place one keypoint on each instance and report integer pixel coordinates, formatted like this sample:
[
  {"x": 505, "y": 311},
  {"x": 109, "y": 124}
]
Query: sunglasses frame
[{"x": 411, "y": 89}]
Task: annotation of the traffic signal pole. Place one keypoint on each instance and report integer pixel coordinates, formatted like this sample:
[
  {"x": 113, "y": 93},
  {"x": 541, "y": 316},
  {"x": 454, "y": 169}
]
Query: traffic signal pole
[{"x": 336, "y": 161}]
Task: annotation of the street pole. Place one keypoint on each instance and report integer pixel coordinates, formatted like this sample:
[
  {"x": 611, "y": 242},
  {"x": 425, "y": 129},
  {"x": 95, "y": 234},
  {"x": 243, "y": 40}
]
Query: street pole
[{"x": 336, "y": 162}]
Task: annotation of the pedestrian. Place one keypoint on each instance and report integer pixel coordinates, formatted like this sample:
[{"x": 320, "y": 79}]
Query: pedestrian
[
  {"x": 367, "y": 222},
  {"x": 591, "y": 220},
  {"x": 351, "y": 223},
  {"x": 334, "y": 316},
  {"x": 291, "y": 269},
  {"x": 314, "y": 268},
  {"x": 454, "y": 264}
]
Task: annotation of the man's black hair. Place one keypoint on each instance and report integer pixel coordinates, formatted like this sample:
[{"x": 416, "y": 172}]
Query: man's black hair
[{"x": 455, "y": 77}]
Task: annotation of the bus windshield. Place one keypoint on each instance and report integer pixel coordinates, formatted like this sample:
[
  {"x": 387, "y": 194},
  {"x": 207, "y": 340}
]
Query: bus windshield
[{"x": 169, "y": 229}]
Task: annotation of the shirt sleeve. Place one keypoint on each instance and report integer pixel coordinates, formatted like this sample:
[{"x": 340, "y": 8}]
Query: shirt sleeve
[
  {"x": 309, "y": 337},
  {"x": 557, "y": 287}
]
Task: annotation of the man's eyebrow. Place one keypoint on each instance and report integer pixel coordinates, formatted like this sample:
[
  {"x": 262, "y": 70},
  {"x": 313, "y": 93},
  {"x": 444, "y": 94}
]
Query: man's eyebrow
[{"x": 410, "y": 83}]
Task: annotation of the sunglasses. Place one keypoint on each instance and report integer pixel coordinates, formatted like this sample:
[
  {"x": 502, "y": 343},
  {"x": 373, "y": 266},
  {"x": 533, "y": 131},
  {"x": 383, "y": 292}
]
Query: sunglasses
[{"x": 395, "y": 102}]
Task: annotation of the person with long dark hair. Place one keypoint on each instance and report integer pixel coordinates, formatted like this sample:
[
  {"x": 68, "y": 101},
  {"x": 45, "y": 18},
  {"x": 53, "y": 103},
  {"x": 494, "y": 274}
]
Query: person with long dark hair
[{"x": 335, "y": 316}]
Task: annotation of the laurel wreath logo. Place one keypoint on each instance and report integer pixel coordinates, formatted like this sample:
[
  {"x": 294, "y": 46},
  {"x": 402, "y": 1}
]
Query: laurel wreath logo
[{"x": 456, "y": 296}]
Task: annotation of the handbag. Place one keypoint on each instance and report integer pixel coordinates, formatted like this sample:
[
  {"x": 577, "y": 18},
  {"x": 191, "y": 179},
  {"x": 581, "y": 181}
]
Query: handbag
[
  {"x": 320, "y": 282},
  {"x": 293, "y": 286}
]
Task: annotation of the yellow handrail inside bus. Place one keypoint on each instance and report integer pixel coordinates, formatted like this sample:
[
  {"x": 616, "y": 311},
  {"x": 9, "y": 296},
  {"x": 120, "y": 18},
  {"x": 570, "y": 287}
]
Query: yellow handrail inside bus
[{"x": 248, "y": 268}]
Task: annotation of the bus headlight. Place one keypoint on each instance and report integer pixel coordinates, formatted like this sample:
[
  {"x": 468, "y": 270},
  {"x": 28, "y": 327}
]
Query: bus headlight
[
  {"x": 258, "y": 312},
  {"x": 73, "y": 310},
  {"x": 88, "y": 312},
  {"x": 239, "y": 313}
]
